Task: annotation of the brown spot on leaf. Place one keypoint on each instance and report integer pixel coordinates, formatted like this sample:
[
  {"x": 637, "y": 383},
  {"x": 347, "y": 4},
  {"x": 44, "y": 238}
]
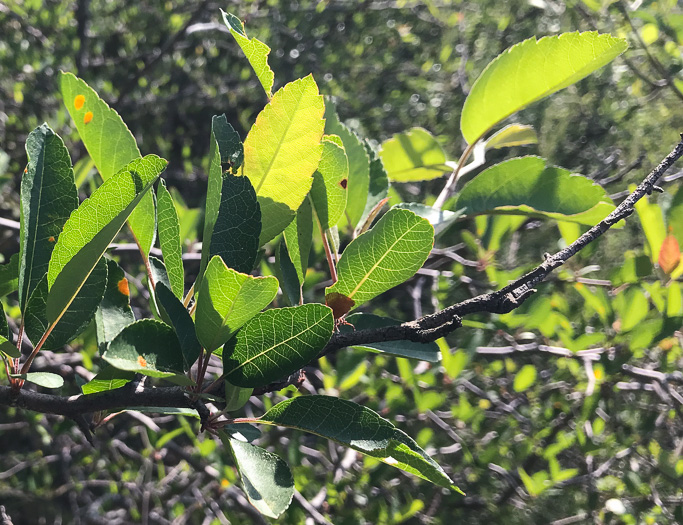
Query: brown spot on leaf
[
  {"x": 340, "y": 304},
  {"x": 122, "y": 285},
  {"x": 142, "y": 362},
  {"x": 344, "y": 183}
]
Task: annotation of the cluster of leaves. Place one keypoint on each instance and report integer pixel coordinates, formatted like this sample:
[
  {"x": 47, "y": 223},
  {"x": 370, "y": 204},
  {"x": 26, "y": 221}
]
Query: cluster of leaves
[{"x": 413, "y": 155}]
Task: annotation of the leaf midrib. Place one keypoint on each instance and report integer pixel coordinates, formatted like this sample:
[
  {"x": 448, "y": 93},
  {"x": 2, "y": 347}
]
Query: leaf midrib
[
  {"x": 374, "y": 266},
  {"x": 262, "y": 353},
  {"x": 280, "y": 142},
  {"x": 27, "y": 283}
]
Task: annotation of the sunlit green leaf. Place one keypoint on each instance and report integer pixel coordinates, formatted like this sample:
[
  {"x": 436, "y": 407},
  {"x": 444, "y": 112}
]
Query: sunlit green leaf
[
  {"x": 169, "y": 240},
  {"x": 512, "y": 135},
  {"x": 531, "y": 70},
  {"x": 358, "y": 427},
  {"x": 48, "y": 196},
  {"x": 276, "y": 343},
  {"x": 330, "y": 181},
  {"x": 255, "y": 51},
  {"x": 92, "y": 226},
  {"x": 383, "y": 257},
  {"x": 110, "y": 144},
  {"x": 228, "y": 299},
  {"x": 525, "y": 186},
  {"x": 108, "y": 378},
  {"x": 359, "y": 164},
  {"x": 282, "y": 151},
  {"x": 413, "y": 155},
  {"x": 44, "y": 379}
]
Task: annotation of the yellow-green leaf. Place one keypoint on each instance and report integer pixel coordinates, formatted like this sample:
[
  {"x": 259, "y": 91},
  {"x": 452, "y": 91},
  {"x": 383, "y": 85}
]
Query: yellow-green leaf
[
  {"x": 531, "y": 70},
  {"x": 282, "y": 151},
  {"x": 255, "y": 51},
  {"x": 110, "y": 144}
]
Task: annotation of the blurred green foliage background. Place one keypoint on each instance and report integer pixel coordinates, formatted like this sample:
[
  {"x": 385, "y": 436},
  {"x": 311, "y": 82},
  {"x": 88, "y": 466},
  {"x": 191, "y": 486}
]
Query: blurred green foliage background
[{"x": 549, "y": 428}]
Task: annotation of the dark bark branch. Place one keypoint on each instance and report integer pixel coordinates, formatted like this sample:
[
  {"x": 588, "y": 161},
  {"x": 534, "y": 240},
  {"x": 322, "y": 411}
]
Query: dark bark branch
[
  {"x": 425, "y": 329},
  {"x": 75, "y": 406},
  {"x": 431, "y": 327}
]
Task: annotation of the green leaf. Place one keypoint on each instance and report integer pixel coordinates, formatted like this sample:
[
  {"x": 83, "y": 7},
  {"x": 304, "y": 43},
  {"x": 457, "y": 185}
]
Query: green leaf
[
  {"x": 236, "y": 233},
  {"x": 8, "y": 348},
  {"x": 525, "y": 186},
  {"x": 236, "y": 397},
  {"x": 413, "y": 155},
  {"x": 255, "y": 51},
  {"x": 9, "y": 275},
  {"x": 267, "y": 479},
  {"x": 110, "y": 144},
  {"x": 525, "y": 378},
  {"x": 242, "y": 432},
  {"x": 4, "y": 327},
  {"x": 358, "y": 427},
  {"x": 287, "y": 275},
  {"x": 423, "y": 351},
  {"x": 114, "y": 312},
  {"x": 76, "y": 315},
  {"x": 108, "y": 378},
  {"x": 182, "y": 324},
  {"x": 298, "y": 237},
  {"x": 226, "y": 152},
  {"x": 531, "y": 70},
  {"x": 330, "y": 181},
  {"x": 6, "y": 345},
  {"x": 276, "y": 343},
  {"x": 44, "y": 379},
  {"x": 147, "y": 347},
  {"x": 379, "y": 259},
  {"x": 377, "y": 190},
  {"x": 158, "y": 273},
  {"x": 228, "y": 299},
  {"x": 359, "y": 164},
  {"x": 282, "y": 151},
  {"x": 512, "y": 135},
  {"x": 92, "y": 226},
  {"x": 169, "y": 240},
  {"x": 439, "y": 219},
  {"x": 48, "y": 196}
]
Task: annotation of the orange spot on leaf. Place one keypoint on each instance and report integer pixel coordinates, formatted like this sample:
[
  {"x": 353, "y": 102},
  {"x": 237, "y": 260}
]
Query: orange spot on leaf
[
  {"x": 51, "y": 238},
  {"x": 142, "y": 362},
  {"x": 88, "y": 117},
  {"x": 122, "y": 285},
  {"x": 79, "y": 101},
  {"x": 669, "y": 254},
  {"x": 26, "y": 169}
]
